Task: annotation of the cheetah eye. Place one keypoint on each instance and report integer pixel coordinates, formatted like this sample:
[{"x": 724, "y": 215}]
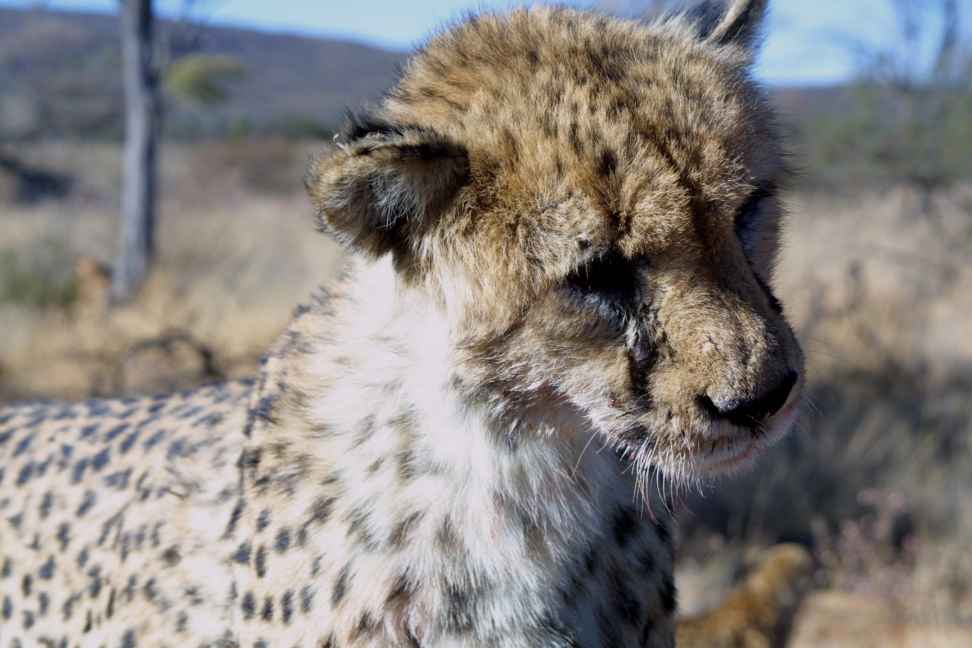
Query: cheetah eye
[
  {"x": 607, "y": 284},
  {"x": 747, "y": 229},
  {"x": 747, "y": 221}
]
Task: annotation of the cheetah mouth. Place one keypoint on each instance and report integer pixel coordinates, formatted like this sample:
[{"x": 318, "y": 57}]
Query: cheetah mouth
[{"x": 737, "y": 448}]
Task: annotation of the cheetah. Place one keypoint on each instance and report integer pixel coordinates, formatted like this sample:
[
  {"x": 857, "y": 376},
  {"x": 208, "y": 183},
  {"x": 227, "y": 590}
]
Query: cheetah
[{"x": 558, "y": 313}]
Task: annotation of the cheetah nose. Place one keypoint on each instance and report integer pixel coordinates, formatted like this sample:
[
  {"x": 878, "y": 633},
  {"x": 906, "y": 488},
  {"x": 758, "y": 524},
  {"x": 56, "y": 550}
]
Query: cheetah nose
[{"x": 753, "y": 411}]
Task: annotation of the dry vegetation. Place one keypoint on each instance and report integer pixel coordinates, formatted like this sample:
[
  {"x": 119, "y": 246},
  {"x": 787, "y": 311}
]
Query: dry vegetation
[
  {"x": 237, "y": 253},
  {"x": 877, "y": 483}
]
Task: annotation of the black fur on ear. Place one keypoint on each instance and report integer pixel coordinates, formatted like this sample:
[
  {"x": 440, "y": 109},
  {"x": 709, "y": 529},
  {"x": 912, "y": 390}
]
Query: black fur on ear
[
  {"x": 383, "y": 184},
  {"x": 730, "y": 22}
]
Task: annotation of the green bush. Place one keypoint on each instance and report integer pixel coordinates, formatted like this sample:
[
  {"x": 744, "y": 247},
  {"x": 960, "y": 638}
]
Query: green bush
[
  {"x": 41, "y": 277},
  {"x": 919, "y": 135},
  {"x": 202, "y": 78}
]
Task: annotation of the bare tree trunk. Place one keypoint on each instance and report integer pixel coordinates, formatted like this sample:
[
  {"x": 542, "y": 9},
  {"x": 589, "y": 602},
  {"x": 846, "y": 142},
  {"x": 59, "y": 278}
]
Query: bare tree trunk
[
  {"x": 141, "y": 132},
  {"x": 948, "y": 47}
]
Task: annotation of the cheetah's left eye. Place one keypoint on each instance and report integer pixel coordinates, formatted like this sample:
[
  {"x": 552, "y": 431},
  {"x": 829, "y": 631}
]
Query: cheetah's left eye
[
  {"x": 748, "y": 226},
  {"x": 747, "y": 218},
  {"x": 607, "y": 283}
]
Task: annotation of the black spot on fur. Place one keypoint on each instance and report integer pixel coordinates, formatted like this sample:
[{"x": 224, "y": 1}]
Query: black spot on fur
[
  {"x": 63, "y": 535},
  {"x": 261, "y": 562},
  {"x": 46, "y": 503},
  {"x": 119, "y": 479},
  {"x": 128, "y": 441},
  {"x": 22, "y": 446},
  {"x": 25, "y": 473},
  {"x": 306, "y": 599},
  {"x": 94, "y": 587},
  {"x": 46, "y": 570},
  {"x": 364, "y": 431},
  {"x": 287, "y": 606},
  {"x": 171, "y": 556},
  {"x": 406, "y": 466},
  {"x": 88, "y": 431},
  {"x": 87, "y": 503},
  {"x": 43, "y": 604},
  {"x": 446, "y": 537},
  {"x": 400, "y": 593},
  {"x": 366, "y": 626},
  {"x": 114, "y": 432},
  {"x": 400, "y": 533},
  {"x": 242, "y": 554},
  {"x": 459, "y": 609},
  {"x": 248, "y": 605},
  {"x": 608, "y": 163},
  {"x": 358, "y": 528},
  {"x": 282, "y": 542},
  {"x": 573, "y": 137},
  {"x": 234, "y": 520},
  {"x": 340, "y": 586},
  {"x": 77, "y": 474},
  {"x": 267, "y": 614},
  {"x": 263, "y": 520},
  {"x": 264, "y": 409},
  {"x": 154, "y": 440}
]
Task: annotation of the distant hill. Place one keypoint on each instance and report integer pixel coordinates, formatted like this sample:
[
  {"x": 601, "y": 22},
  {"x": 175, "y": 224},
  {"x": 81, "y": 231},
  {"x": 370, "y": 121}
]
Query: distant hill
[{"x": 60, "y": 74}]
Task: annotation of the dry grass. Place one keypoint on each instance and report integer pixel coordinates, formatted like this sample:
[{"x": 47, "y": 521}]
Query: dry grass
[
  {"x": 878, "y": 482},
  {"x": 232, "y": 265}
]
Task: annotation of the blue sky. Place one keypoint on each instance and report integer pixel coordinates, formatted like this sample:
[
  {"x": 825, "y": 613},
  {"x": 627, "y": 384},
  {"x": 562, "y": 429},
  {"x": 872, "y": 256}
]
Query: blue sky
[{"x": 807, "y": 42}]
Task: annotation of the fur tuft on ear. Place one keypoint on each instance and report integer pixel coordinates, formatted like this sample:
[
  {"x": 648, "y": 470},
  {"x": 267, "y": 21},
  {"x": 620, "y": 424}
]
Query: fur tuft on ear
[
  {"x": 730, "y": 22},
  {"x": 383, "y": 185}
]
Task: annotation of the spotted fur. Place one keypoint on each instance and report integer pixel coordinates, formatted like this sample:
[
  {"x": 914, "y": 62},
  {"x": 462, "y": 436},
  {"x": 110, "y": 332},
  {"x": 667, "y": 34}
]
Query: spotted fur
[{"x": 563, "y": 228}]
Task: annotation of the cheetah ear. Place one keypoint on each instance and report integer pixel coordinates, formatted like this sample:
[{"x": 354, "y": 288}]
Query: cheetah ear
[
  {"x": 383, "y": 185},
  {"x": 730, "y": 22}
]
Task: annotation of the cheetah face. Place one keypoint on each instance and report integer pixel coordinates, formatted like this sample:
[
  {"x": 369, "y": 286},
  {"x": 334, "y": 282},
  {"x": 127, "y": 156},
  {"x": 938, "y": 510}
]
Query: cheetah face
[{"x": 594, "y": 205}]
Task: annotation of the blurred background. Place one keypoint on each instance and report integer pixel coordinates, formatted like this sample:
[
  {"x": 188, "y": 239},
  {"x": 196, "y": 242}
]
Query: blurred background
[{"x": 179, "y": 262}]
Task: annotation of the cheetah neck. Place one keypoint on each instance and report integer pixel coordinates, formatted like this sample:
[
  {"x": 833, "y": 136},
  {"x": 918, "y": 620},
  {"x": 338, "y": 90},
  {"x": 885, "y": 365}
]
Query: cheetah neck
[
  {"x": 393, "y": 352},
  {"x": 422, "y": 483}
]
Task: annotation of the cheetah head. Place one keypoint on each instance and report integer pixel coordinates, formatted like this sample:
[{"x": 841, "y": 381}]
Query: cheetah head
[{"x": 593, "y": 205}]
